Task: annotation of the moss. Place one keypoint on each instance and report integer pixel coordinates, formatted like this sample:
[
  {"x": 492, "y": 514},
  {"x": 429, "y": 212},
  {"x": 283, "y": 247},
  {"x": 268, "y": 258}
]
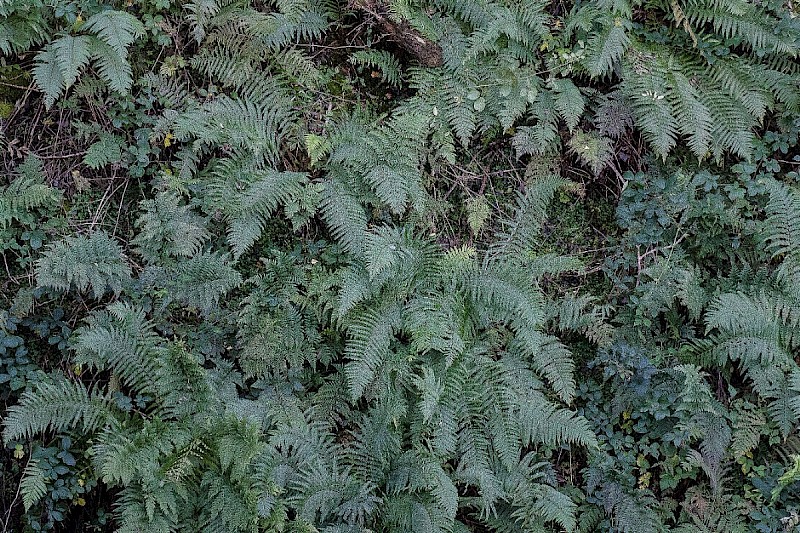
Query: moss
[{"x": 6, "y": 109}]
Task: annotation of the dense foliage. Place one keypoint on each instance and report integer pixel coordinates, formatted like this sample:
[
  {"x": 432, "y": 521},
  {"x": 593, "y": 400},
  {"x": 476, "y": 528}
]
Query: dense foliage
[{"x": 400, "y": 265}]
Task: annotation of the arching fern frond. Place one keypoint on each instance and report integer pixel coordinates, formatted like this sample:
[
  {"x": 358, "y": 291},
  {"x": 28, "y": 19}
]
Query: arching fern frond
[
  {"x": 57, "y": 406},
  {"x": 83, "y": 262}
]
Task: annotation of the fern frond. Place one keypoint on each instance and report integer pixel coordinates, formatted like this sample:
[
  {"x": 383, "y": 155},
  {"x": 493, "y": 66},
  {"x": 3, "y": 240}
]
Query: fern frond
[
  {"x": 630, "y": 513},
  {"x": 782, "y": 227},
  {"x": 57, "y": 406},
  {"x": 695, "y": 120},
  {"x": 83, "y": 262},
  {"x": 167, "y": 228},
  {"x": 519, "y": 235},
  {"x": 199, "y": 281},
  {"x": 26, "y": 192},
  {"x": 385, "y": 62},
  {"x": 120, "y": 338},
  {"x": 47, "y": 75},
  {"x": 753, "y": 25},
  {"x": 555, "y": 506},
  {"x": 541, "y": 421},
  {"x": 593, "y": 150},
  {"x": 73, "y": 54},
  {"x": 606, "y": 48},
  {"x": 107, "y": 150},
  {"x": 568, "y": 101},
  {"x": 344, "y": 215},
  {"x": 112, "y": 66},
  {"x": 118, "y": 29},
  {"x": 370, "y": 336},
  {"x": 254, "y": 206},
  {"x": 551, "y": 358},
  {"x": 33, "y": 485}
]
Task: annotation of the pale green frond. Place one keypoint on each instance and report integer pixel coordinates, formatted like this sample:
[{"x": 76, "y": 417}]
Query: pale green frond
[
  {"x": 254, "y": 206},
  {"x": 47, "y": 75},
  {"x": 33, "y": 485},
  {"x": 59, "y": 406},
  {"x": 81, "y": 262},
  {"x": 370, "y": 334},
  {"x": 568, "y": 101},
  {"x": 73, "y": 54},
  {"x": 118, "y": 29},
  {"x": 113, "y": 67},
  {"x": 167, "y": 228}
]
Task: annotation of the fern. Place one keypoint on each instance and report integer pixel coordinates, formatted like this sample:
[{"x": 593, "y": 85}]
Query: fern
[
  {"x": 568, "y": 101},
  {"x": 21, "y": 26},
  {"x": 592, "y": 149},
  {"x": 118, "y": 29},
  {"x": 167, "y": 228},
  {"x": 251, "y": 210},
  {"x": 93, "y": 262},
  {"x": 370, "y": 337},
  {"x": 198, "y": 282},
  {"x": 33, "y": 485},
  {"x": 107, "y": 150},
  {"x": 345, "y": 216},
  {"x": 26, "y": 193},
  {"x": 119, "y": 338},
  {"x": 543, "y": 422},
  {"x": 630, "y": 513},
  {"x": 48, "y": 75},
  {"x": 113, "y": 68},
  {"x": 519, "y": 235},
  {"x": 59, "y": 64},
  {"x": 380, "y": 369},
  {"x": 781, "y": 228},
  {"x": 607, "y": 47},
  {"x": 749, "y": 23},
  {"x": 676, "y": 91},
  {"x": 300, "y": 19},
  {"x": 72, "y": 53},
  {"x": 552, "y": 359},
  {"x": 385, "y": 62},
  {"x": 57, "y": 406}
]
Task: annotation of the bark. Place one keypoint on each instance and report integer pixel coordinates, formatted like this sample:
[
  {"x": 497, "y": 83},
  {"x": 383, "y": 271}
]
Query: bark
[{"x": 427, "y": 52}]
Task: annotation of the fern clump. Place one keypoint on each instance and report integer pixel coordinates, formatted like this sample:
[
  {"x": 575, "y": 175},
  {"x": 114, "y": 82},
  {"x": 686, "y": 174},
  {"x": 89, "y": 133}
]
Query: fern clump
[
  {"x": 93, "y": 262},
  {"x": 168, "y": 229},
  {"x": 109, "y": 34},
  {"x": 441, "y": 266},
  {"x": 26, "y": 193}
]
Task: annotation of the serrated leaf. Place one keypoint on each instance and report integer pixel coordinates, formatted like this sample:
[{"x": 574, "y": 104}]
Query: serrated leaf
[
  {"x": 107, "y": 150},
  {"x": 568, "y": 101},
  {"x": 47, "y": 75},
  {"x": 113, "y": 67},
  {"x": 317, "y": 147},
  {"x": 73, "y": 53},
  {"x": 118, "y": 29},
  {"x": 33, "y": 485},
  {"x": 477, "y": 213}
]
